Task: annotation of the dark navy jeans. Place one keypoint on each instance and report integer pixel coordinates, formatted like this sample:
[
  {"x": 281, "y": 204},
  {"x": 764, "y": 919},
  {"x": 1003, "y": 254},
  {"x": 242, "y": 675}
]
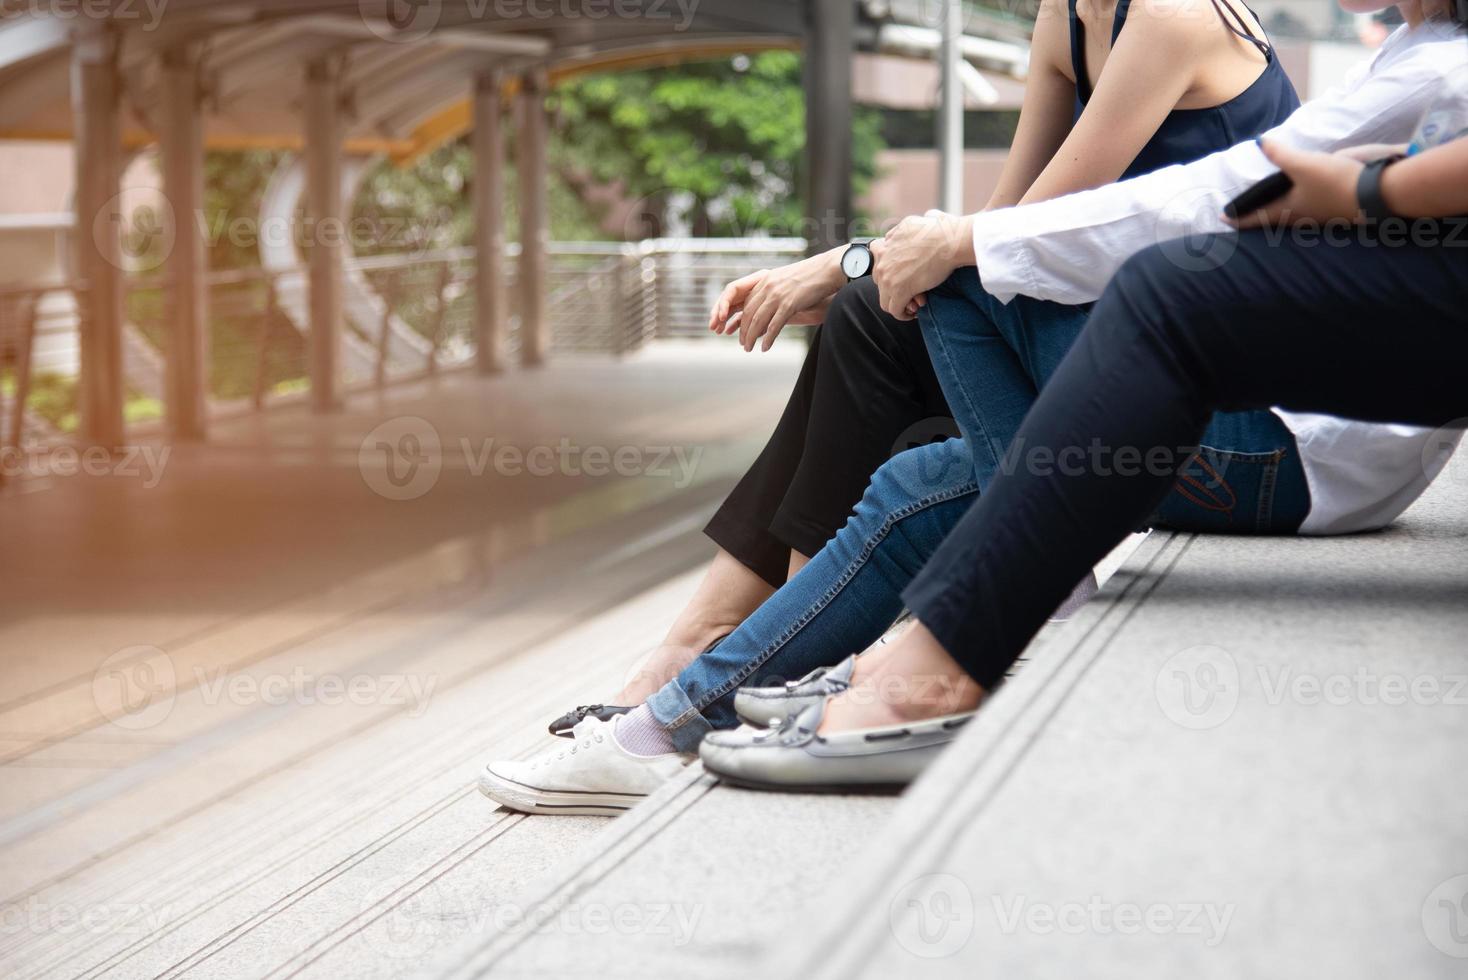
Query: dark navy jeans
[
  {"x": 992, "y": 358},
  {"x": 1363, "y": 328}
]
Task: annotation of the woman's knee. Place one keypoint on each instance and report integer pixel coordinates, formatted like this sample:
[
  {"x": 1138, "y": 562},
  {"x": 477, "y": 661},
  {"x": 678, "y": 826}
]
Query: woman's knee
[
  {"x": 854, "y": 303},
  {"x": 963, "y": 281},
  {"x": 934, "y": 471},
  {"x": 857, "y": 327}
]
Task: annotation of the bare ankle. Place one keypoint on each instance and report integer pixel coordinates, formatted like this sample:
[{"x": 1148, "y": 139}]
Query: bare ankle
[{"x": 698, "y": 635}]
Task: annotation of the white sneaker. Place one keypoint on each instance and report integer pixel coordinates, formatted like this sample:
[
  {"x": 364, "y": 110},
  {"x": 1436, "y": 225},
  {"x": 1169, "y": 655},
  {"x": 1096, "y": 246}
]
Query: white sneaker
[{"x": 593, "y": 776}]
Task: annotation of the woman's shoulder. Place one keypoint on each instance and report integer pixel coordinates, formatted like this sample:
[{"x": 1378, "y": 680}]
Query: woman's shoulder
[{"x": 1176, "y": 23}]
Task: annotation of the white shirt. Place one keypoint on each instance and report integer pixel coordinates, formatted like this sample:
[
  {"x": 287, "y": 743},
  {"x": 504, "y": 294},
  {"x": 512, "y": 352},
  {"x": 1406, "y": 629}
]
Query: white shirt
[{"x": 1361, "y": 475}]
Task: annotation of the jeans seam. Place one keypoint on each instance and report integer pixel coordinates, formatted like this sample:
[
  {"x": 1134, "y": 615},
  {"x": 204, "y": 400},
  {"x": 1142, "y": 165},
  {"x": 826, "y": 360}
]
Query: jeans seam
[
  {"x": 1267, "y": 482},
  {"x": 848, "y": 573},
  {"x": 685, "y": 717},
  {"x": 1234, "y": 456}
]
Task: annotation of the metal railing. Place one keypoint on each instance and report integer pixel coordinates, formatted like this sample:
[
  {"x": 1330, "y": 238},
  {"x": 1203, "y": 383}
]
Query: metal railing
[
  {"x": 39, "y": 341},
  {"x": 407, "y": 316}
]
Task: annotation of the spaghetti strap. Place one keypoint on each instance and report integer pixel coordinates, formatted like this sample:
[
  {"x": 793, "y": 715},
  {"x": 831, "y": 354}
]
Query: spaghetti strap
[
  {"x": 1118, "y": 19},
  {"x": 1078, "y": 44},
  {"x": 1078, "y": 53},
  {"x": 1242, "y": 30},
  {"x": 1190, "y": 134}
]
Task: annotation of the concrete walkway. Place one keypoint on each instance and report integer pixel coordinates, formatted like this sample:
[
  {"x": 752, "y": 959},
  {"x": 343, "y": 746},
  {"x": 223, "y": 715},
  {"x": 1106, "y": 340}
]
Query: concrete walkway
[
  {"x": 1246, "y": 762},
  {"x": 1241, "y": 760},
  {"x": 245, "y": 701}
]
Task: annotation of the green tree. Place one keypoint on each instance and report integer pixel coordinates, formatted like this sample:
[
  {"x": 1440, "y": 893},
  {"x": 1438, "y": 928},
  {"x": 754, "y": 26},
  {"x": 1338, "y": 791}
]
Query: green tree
[
  {"x": 234, "y": 183},
  {"x": 715, "y": 146}
]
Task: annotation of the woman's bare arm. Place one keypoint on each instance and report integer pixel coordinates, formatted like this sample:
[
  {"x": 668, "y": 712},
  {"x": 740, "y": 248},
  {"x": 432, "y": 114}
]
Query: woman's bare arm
[
  {"x": 1049, "y": 104},
  {"x": 1153, "y": 65}
]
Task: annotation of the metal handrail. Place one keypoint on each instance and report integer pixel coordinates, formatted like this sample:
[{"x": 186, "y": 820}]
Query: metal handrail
[{"x": 611, "y": 297}]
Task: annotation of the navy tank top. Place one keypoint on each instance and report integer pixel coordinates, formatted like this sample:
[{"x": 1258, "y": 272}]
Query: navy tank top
[{"x": 1190, "y": 134}]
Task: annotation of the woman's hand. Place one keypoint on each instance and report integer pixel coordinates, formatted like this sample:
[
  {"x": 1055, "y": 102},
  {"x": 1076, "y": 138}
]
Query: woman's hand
[
  {"x": 1325, "y": 187},
  {"x": 916, "y": 256},
  {"x": 762, "y": 303}
]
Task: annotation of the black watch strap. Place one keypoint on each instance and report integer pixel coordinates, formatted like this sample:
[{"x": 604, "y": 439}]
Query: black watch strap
[{"x": 1368, "y": 189}]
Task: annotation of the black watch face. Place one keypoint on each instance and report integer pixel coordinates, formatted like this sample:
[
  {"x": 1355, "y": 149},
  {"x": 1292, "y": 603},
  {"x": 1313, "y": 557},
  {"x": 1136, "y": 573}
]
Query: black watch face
[{"x": 856, "y": 261}]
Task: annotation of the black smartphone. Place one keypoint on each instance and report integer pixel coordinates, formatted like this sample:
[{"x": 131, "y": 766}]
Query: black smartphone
[{"x": 1261, "y": 195}]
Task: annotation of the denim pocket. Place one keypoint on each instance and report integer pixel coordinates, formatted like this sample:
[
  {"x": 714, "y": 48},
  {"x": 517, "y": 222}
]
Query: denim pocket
[{"x": 1219, "y": 491}]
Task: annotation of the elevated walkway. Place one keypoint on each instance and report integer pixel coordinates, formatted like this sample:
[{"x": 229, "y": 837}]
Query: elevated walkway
[
  {"x": 316, "y": 669},
  {"x": 1241, "y": 759}
]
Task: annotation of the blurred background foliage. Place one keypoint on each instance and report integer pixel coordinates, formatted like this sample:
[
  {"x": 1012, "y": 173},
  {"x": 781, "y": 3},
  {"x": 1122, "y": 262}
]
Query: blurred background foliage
[
  {"x": 704, "y": 149},
  {"x": 708, "y": 149}
]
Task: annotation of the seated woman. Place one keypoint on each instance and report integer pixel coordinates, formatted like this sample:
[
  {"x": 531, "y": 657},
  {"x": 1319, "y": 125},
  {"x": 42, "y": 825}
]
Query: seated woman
[
  {"x": 850, "y": 592},
  {"x": 1114, "y": 91}
]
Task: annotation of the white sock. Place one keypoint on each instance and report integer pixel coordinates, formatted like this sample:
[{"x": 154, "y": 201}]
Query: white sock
[{"x": 641, "y": 734}]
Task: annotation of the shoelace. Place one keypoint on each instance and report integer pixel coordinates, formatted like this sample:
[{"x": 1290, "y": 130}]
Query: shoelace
[{"x": 582, "y": 743}]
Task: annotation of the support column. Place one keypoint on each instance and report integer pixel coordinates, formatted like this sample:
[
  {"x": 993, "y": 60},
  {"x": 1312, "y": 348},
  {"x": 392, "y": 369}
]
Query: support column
[
  {"x": 828, "y": 42},
  {"x": 950, "y": 112},
  {"x": 97, "y": 233},
  {"x": 489, "y": 224},
  {"x": 531, "y": 139},
  {"x": 324, "y": 228},
  {"x": 188, "y": 295}
]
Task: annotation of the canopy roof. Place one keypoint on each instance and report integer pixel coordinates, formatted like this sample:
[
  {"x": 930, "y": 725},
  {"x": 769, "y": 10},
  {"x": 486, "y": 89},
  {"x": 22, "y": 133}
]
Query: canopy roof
[{"x": 406, "y": 85}]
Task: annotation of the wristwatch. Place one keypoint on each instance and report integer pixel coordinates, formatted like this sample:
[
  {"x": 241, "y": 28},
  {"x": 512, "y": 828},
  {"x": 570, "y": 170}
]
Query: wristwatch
[
  {"x": 856, "y": 261},
  {"x": 1368, "y": 189}
]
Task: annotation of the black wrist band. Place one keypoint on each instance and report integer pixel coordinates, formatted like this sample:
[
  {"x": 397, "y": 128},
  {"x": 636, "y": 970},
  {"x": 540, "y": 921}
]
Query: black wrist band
[{"x": 1368, "y": 189}]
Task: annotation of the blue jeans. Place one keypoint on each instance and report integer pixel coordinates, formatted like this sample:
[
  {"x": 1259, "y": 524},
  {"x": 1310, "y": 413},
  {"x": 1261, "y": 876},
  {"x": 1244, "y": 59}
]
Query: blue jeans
[
  {"x": 845, "y": 597},
  {"x": 991, "y": 359}
]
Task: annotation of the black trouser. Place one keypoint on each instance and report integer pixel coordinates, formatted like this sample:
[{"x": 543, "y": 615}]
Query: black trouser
[
  {"x": 1363, "y": 330},
  {"x": 867, "y": 390}
]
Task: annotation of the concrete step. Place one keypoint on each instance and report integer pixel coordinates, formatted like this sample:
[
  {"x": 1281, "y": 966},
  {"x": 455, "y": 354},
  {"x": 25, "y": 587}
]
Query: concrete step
[
  {"x": 1247, "y": 762},
  {"x": 238, "y": 834},
  {"x": 257, "y": 822},
  {"x": 698, "y": 880},
  {"x": 1098, "y": 819},
  {"x": 694, "y": 882}
]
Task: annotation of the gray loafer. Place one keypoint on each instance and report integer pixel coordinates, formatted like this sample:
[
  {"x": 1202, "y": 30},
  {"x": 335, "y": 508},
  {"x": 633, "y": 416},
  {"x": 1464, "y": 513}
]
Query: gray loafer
[
  {"x": 794, "y": 758},
  {"x": 761, "y": 706}
]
